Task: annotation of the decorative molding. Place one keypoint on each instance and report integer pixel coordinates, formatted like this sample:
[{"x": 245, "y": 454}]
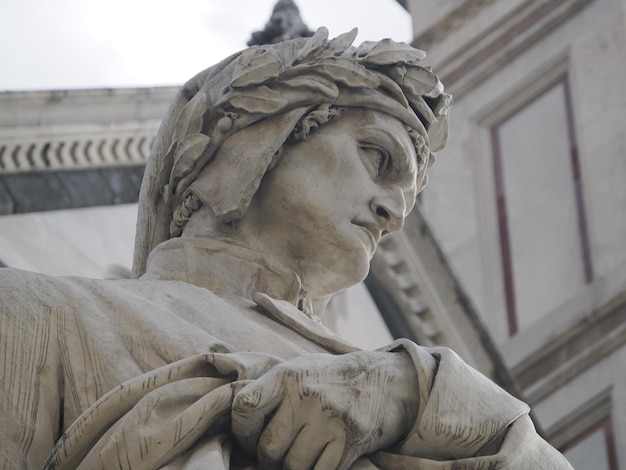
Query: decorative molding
[
  {"x": 70, "y": 149},
  {"x": 597, "y": 335},
  {"x": 58, "y": 167},
  {"x": 75, "y": 148},
  {"x": 592, "y": 416},
  {"x": 449, "y": 23},
  {"x": 394, "y": 273},
  {"x": 54, "y": 130},
  {"x": 74, "y": 108},
  {"x": 521, "y": 93},
  {"x": 606, "y": 426},
  {"x": 523, "y": 27},
  {"x": 577, "y": 422}
]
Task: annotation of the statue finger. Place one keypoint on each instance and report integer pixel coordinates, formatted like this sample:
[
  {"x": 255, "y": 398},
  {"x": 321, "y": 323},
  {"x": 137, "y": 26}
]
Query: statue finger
[
  {"x": 252, "y": 408},
  {"x": 278, "y": 436},
  {"x": 308, "y": 445},
  {"x": 332, "y": 455}
]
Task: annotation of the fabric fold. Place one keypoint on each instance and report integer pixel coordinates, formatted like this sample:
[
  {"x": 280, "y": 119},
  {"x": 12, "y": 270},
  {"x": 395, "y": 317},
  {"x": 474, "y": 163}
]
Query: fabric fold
[{"x": 156, "y": 417}]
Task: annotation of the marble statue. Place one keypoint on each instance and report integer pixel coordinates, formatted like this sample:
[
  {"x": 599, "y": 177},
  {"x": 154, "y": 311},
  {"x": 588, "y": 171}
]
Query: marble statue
[
  {"x": 272, "y": 179},
  {"x": 285, "y": 23}
]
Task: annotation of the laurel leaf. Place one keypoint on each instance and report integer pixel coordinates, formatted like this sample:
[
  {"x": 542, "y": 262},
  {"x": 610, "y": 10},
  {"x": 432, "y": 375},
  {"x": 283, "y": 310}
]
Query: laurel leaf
[
  {"x": 191, "y": 117},
  {"x": 421, "y": 81},
  {"x": 387, "y": 52},
  {"x": 346, "y": 71},
  {"x": 392, "y": 88},
  {"x": 245, "y": 58},
  {"x": 167, "y": 163},
  {"x": 438, "y": 129},
  {"x": 442, "y": 105},
  {"x": 258, "y": 69},
  {"x": 314, "y": 83},
  {"x": 421, "y": 107},
  {"x": 364, "y": 48},
  {"x": 438, "y": 133},
  {"x": 313, "y": 44},
  {"x": 187, "y": 153},
  {"x": 335, "y": 47},
  {"x": 259, "y": 100},
  {"x": 338, "y": 45}
]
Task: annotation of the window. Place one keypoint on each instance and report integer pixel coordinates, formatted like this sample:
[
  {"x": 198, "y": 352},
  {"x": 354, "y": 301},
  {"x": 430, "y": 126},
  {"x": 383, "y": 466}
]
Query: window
[
  {"x": 541, "y": 218},
  {"x": 594, "y": 449}
]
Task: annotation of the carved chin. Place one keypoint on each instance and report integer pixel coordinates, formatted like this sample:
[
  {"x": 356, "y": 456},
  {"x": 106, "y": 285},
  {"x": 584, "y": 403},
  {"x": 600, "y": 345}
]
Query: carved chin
[{"x": 351, "y": 273}]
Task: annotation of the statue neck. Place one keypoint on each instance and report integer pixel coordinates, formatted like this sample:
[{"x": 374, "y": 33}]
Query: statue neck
[{"x": 227, "y": 267}]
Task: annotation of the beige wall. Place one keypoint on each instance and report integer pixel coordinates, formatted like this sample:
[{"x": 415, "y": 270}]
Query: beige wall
[
  {"x": 495, "y": 57},
  {"x": 460, "y": 202}
]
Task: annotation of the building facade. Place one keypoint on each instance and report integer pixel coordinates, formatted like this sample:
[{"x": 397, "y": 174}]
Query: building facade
[
  {"x": 515, "y": 256},
  {"x": 528, "y": 201}
]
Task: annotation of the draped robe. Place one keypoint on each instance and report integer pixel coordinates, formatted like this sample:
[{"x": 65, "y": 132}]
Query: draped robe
[{"x": 142, "y": 373}]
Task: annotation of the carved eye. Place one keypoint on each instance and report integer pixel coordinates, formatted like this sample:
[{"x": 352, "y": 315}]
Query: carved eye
[{"x": 379, "y": 159}]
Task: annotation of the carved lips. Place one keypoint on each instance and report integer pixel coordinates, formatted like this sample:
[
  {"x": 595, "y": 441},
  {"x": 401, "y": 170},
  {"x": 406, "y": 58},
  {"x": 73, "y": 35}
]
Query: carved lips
[{"x": 373, "y": 232}]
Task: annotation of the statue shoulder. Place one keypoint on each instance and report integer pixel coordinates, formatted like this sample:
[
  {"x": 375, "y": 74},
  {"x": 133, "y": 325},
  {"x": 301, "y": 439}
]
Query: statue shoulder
[
  {"x": 14, "y": 282},
  {"x": 28, "y": 291}
]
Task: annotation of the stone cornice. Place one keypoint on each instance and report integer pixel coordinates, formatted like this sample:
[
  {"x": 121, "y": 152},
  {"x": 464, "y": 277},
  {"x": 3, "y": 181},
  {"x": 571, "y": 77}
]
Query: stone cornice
[
  {"x": 43, "y": 108},
  {"x": 77, "y": 129},
  {"x": 65, "y": 149},
  {"x": 69, "y": 148},
  {"x": 590, "y": 413},
  {"x": 580, "y": 347},
  {"x": 450, "y": 23},
  {"x": 489, "y": 50}
]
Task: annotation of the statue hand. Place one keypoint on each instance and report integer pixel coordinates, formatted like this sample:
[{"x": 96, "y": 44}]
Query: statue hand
[{"x": 321, "y": 411}]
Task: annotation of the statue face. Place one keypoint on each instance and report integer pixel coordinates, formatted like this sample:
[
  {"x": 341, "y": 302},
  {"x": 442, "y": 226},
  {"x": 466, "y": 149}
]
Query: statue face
[{"x": 322, "y": 209}]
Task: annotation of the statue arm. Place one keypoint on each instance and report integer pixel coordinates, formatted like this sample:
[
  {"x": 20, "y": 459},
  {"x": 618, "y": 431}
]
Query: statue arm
[
  {"x": 30, "y": 392},
  {"x": 466, "y": 421},
  {"x": 416, "y": 405},
  {"x": 326, "y": 411}
]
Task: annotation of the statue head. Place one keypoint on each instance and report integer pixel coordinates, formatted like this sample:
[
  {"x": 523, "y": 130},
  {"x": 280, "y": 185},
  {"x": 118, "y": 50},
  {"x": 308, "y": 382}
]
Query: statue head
[{"x": 234, "y": 122}]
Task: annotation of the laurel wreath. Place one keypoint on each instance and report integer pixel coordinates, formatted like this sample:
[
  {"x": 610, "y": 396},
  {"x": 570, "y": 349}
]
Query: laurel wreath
[{"x": 262, "y": 85}]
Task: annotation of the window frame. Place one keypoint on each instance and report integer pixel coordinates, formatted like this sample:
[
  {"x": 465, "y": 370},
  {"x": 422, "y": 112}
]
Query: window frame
[
  {"x": 562, "y": 79},
  {"x": 606, "y": 424}
]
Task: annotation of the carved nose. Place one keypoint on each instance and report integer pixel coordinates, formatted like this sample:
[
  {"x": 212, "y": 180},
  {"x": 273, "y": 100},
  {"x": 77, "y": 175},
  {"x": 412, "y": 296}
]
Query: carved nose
[{"x": 389, "y": 211}]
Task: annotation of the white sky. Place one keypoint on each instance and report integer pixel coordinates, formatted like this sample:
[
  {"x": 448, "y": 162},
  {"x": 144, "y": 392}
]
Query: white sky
[{"x": 52, "y": 44}]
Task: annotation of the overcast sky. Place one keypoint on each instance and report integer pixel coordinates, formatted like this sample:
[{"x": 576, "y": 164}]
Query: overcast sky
[{"x": 52, "y": 44}]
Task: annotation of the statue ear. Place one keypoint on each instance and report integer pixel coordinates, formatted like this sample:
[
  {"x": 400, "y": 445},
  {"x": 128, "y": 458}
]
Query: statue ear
[{"x": 230, "y": 180}]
